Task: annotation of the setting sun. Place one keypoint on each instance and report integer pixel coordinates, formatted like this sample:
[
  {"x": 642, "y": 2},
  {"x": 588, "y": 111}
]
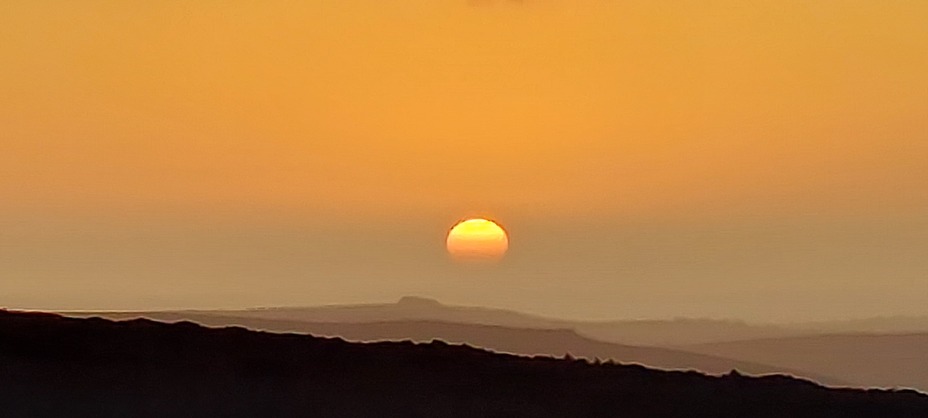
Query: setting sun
[{"x": 475, "y": 240}]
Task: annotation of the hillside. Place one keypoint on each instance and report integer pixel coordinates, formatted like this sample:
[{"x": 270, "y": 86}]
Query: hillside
[
  {"x": 527, "y": 341},
  {"x": 56, "y": 366},
  {"x": 884, "y": 360}
]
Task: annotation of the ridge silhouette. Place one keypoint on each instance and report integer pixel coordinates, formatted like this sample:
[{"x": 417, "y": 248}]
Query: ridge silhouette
[
  {"x": 808, "y": 350},
  {"x": 56, "y": 366},
  {"x": 526, "y": 341}
]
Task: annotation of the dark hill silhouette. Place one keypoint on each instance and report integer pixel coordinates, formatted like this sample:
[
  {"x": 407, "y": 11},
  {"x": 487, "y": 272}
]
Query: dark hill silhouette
[
  {"x": 56, "y": 366},
  {"x": 634, "y": 332},
  {"x": 863, "y": 359},
  {"x": 525, "y": 341}
]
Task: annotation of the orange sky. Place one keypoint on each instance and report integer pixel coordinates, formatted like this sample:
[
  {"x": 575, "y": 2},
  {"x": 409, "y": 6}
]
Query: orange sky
[{"x": 693, "y": 115}]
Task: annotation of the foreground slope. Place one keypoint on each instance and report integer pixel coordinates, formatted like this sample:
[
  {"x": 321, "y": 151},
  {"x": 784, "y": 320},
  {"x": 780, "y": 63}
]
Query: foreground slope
[
  {"x": 883, "y": 360},
  {"x": 526, "y": 341},
  {"x": 56, "y": 366}
]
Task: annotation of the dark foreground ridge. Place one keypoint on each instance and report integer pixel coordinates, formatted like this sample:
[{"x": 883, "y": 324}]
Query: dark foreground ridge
[{"x": 56, "y": 366}]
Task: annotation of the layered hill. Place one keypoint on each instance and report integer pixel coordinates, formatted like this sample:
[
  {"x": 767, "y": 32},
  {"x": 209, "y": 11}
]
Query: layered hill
[
  {"x": 877, "y": 325},
  {"x": 526, "y": 341},
  {"x": 633, "y": 332},
  {"x": 884, "y": 360},
  {"x": 56, "y": 366}
]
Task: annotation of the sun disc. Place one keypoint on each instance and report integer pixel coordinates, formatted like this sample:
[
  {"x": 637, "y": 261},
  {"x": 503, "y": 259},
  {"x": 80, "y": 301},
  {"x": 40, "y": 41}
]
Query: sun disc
[{"x": 477, "y": 240}]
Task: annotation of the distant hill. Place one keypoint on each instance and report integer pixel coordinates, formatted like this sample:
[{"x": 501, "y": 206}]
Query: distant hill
[
  {"x": 882, "y": 360},
  {"x": 877, "y": 325},
  {"x": 55, "y": 366},
  {"x": 633, "y": 332},
  {"x": 527, "y": 341}
]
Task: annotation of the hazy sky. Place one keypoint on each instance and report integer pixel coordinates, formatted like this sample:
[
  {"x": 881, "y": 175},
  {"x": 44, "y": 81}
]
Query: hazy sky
[{"x": 763, "y": 160}]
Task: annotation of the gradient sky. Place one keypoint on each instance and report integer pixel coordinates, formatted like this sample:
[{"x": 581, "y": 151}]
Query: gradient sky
[{"x": 762, "y": 160}]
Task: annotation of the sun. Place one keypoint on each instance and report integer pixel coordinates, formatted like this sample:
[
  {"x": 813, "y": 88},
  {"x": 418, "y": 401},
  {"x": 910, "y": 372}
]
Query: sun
[{"x": 477, "y": 240}]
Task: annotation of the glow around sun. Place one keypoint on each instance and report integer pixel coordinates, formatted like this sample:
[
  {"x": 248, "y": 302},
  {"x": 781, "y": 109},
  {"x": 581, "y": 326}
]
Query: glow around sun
[{"x": 477, "y": 240}]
